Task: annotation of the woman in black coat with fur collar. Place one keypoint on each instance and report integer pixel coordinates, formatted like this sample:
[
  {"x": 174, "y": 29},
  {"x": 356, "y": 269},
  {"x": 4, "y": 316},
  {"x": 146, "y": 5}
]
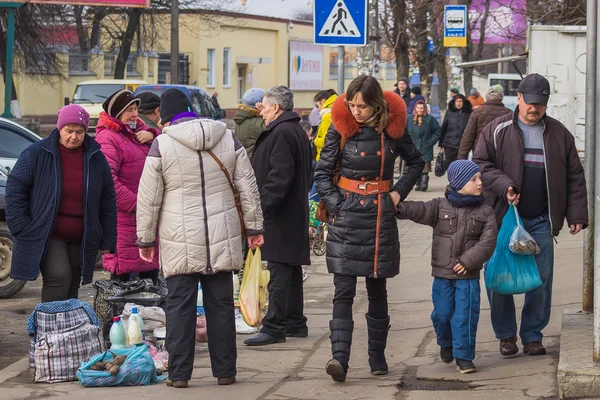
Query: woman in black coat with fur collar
[{"x": 363, "y": 234}]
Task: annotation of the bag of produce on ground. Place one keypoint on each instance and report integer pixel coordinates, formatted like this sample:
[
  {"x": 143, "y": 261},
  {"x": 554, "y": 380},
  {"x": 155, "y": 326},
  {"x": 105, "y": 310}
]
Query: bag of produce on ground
[
  {"x": 126, "y": 367},
  {"x": 521, "y": 241},
  {"x": 250, "y": 289},
  {"x": 508, "y": 272}
]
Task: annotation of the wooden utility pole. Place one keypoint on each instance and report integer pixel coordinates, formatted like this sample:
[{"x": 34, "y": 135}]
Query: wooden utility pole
[{"x": 175, "y": 42}]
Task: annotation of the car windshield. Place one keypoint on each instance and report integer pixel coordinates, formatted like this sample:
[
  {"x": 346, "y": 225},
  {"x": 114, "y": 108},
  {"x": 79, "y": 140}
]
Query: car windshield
[{"x": 95, "y": 94}]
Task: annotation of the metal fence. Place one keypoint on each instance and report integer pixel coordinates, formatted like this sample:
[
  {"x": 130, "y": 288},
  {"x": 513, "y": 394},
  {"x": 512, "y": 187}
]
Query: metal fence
[
  {"x": 79, "y": 62},
  {"x": 109, "y": 64}
]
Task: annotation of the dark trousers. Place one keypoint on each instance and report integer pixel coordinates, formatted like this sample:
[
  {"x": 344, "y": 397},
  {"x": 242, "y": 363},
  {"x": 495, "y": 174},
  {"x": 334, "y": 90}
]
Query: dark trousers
[
  {"x": 286, "y": 300},
  {"x": 345, "y": 291},
  {"x": 143, "y": 275},
  {"x": 450, "y": 155},
  {"x": 61, "y": 271},
  {"x": 217, "y": 292}
]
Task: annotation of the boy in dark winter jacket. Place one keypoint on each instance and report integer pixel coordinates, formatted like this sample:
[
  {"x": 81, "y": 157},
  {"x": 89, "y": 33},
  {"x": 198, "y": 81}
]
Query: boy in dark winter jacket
[{"x": 464, "y": 237}]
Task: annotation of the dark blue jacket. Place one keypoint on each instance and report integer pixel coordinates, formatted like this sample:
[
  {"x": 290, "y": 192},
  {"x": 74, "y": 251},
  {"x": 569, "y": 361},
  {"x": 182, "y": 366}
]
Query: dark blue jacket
[
  {"x": 33, "y": 194},
  {"x": 413, "y": 103}
]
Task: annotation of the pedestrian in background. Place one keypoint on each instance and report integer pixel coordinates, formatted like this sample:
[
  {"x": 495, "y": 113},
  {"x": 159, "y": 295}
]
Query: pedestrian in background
[
  {"x": 480, "y": 117},
  {"x": 314, "y": 119},
  {"x": 403, "y": 90},
  {"x": 425, "y": 132},
  {"x": 363, "y": 235},
  {"x": 125, "y": 141},
  {"x": 149, "y": 110},
  {"x": 453, "y": 92},
  {"x": 61, "y": 208},
  {"x": 186, "y": 200},
  {"x": 461, "y": 244},
  {"x": 282, "y": 164},
  {"x": 530, "y": 159},
  {"x": 415, "y": 95},
  {"x": 324, "y": 100},
  {"x": 248, "y": 122},
  {"x": 475, "y": 98},
  {"x": 453, "y": 127}
]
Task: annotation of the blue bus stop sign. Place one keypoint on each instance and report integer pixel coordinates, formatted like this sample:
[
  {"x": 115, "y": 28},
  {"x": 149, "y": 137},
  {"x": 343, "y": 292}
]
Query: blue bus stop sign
[{"x": 341, "y": 22}]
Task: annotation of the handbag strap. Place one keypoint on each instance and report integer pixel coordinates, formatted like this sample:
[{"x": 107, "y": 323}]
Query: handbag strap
[{"x": 233, "y": 189}]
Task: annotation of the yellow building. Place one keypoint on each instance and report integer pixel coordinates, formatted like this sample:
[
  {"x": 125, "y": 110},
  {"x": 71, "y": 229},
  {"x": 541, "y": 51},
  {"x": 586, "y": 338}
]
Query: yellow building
[{"x": 231, "y": 54}]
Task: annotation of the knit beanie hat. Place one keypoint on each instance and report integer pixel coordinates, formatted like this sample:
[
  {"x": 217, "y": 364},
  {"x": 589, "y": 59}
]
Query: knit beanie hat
[
  {"x": 118, "y": 102},
  {"x": 173, "y": 102},
  {"x": 253, "y": 96},
  {"x": 405, "y": 80},
  {"x": 416, "y": 90},
  {"x": 460, "y": 172},
  {"x": 473, "y": 92},
  {"x": 73, "y": 114},
  {"x": 454, "y": 90},
  {"x": 148, "y": 101},
  {"x": 495, "y": 92}
]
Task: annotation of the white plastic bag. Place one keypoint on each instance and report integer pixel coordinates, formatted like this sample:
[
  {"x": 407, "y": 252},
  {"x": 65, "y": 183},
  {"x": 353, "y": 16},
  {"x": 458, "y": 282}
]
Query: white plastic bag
[
  {"x": 521, "y": 242},
  {"x": 242, "y": 327}
]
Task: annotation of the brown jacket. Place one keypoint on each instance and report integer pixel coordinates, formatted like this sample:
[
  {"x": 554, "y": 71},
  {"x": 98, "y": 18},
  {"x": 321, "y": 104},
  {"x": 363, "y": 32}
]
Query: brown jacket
[
  {"x": 465, "y": 235},
  {"x": 480, "y": 117},
  {"x": 500, "y": 153}
]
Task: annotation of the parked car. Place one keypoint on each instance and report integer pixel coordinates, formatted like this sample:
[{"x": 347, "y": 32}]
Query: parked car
[
  {"x": 201, "y": 101},
  {"x": 13, "y": 140},
  {"x": 91, "y": 94}
]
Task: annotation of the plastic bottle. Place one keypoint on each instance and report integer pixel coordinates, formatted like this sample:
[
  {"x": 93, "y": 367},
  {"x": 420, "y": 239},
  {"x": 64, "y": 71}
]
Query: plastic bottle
[
  {"x": 117, "y": 335},
  {"x": 134, "y": 332},
  {"x": 140, "y": 321},
  {"x": 200, "y": 302}
]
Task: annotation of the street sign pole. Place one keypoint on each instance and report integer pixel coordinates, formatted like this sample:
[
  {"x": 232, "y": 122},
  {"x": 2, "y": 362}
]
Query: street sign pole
[
  {"x": 341, "y": 70},
  {"x": 8, "y": 78}
]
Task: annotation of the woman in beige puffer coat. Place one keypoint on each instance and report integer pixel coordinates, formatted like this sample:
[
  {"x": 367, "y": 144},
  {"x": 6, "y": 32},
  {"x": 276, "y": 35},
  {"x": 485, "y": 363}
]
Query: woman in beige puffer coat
[{"x": 187, "y": 196}]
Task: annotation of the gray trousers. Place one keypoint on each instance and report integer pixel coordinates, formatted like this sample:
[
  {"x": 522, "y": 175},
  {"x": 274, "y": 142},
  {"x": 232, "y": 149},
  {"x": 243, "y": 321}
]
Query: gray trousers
[{"x": 61, "y": 271}]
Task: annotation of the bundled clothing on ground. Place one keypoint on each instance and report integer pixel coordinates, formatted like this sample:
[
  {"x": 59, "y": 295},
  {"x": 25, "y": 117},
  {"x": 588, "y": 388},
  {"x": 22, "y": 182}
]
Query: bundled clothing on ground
[
  {"x": 248, "y": 126},
  {"x": 34, "y": 194},
  {"x": 325, "y": 113},
  {"x": 186, "y": 204},
  {"x": 126, "y": 157},
  {"x": 453, "y": 127},
  {"x": 478, "y": 120}
]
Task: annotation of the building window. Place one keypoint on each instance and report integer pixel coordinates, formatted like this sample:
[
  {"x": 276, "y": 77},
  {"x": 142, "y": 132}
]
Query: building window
[
  {"x": 212, "y": 66},
  {"x": 227, "y": 67}
]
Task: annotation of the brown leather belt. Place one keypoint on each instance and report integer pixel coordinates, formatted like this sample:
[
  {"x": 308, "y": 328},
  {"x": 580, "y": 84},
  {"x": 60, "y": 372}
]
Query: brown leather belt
[{"x": 366, "y": 188}]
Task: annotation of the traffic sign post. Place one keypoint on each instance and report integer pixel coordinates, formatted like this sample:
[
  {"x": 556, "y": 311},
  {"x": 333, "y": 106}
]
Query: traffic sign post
[
  {"x": 341, "y": 22},
  {"x": 455, "y": 26},
  {"x": 10, "y": 44}
]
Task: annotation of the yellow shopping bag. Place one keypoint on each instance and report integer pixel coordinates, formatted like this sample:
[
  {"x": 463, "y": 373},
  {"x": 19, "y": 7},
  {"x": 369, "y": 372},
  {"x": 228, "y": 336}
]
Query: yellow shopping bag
[{"x": 250, "y": 289}]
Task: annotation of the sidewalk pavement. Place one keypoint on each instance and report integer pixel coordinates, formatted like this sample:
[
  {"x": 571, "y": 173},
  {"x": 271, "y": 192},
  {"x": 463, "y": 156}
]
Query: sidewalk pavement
[{"x": 295, "y": 369}]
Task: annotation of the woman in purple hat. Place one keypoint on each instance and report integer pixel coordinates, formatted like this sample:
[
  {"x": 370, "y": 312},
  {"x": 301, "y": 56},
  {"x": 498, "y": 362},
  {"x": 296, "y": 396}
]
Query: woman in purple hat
[
  {"x": 125, "y": 141},
  {"x": 60, "y": 208}
]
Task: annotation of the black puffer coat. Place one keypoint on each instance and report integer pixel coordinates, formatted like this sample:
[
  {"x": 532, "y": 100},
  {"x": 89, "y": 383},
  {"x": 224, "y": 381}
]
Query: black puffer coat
[
  {"x": 455, "y": 122},
  {"x": 363, "y": 235}
]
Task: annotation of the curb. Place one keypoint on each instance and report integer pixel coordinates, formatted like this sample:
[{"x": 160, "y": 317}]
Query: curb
[{"x": 14, "y": 369}]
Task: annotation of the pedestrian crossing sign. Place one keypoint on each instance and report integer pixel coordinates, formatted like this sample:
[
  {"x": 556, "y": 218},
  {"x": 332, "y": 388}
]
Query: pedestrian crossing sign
[{"x": 341, "y": 22}]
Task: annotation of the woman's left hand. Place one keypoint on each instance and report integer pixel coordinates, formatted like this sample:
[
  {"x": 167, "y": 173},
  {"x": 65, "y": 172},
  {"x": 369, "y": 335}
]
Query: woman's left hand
[
  {"x": 144, "y": 137},
  {"x": 395, "y": 196}
]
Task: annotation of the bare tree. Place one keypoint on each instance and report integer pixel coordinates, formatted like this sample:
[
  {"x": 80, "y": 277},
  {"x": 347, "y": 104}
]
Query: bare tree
[
  {"x": 303, "y": 15},
  {"x": 555, "y": 12},
  {"x": 394, "y": 19}
]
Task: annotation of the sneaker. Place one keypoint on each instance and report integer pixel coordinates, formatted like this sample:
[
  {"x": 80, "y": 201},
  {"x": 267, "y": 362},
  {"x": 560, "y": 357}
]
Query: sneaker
[
  {"x": 508, "y": 346},
  {"x": 304, "y": 275},
  {"x": 465, "y": 366},
  {"x": 177, "y": 384},
  {"x": 446, "y": 354},
  {"x": 226, "y": 381},
  {"x": 534, "y": 349}
]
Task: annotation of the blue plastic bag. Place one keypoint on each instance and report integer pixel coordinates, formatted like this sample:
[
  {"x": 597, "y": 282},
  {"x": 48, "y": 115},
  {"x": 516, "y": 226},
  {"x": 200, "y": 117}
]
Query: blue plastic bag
[
  {"x": 507, "y": 272},
  {"x": 137, "y": 370}
]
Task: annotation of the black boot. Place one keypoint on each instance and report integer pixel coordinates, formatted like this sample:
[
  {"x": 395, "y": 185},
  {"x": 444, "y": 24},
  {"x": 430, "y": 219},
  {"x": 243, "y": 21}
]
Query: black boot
[
  {"x": 424, "y": 183},
  {"x": 418, "y": 186},
  {"x": 341, "y": 340},
  {"x": 378, "y": 333}
]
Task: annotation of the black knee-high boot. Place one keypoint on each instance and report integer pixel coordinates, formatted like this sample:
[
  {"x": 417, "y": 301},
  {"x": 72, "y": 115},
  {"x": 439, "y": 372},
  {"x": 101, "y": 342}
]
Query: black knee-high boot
[
  {"x": 378, "y": 333},
  {"x": 341, "y": 340}
]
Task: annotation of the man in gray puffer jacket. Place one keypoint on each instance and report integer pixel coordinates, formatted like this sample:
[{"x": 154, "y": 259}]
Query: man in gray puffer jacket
[{"x": 186, "y": 196}]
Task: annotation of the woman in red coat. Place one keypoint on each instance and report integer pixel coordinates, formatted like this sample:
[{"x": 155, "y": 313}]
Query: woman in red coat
[{"x": 125, "y": 141}]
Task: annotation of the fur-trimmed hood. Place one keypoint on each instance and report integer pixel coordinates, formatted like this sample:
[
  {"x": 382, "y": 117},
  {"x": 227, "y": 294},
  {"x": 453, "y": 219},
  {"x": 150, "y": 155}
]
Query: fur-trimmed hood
[
  {"x": 347, "y": 126},
  {"x": 466, "y": 108}
]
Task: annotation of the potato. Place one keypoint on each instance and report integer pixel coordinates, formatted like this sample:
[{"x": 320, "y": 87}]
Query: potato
[
  {"x": 120, "y": 359},
  {"x": 94, "y": 368},
  {"x": 114, "y": 370},
  {"x": 108, "y": 365},
  {"x": 99, "y": 366}
]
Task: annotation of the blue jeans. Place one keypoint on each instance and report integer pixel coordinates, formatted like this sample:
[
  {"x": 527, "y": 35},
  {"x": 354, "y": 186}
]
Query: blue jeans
[
  {"x": 538, "y": 302},
  {"x": 456, "y": 314}
]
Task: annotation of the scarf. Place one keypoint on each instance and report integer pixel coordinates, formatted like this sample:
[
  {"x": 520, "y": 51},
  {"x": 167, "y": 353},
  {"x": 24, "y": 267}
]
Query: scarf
[
  {"x": 463, "y": 200},
  {"x": 418, "y": 119}
]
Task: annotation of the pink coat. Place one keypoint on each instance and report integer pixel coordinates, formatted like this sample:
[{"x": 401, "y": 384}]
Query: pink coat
[{"x": 126, "y": 157}]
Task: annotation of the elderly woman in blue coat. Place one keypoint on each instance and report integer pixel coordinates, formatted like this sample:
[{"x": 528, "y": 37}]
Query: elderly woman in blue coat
[{"x": 61, "y": 208}]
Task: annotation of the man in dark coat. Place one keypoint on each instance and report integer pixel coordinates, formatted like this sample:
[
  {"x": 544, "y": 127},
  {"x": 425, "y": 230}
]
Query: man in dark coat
[
  {"x": 282, "y": 165},
  {"x": 403, "y": 90}
]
